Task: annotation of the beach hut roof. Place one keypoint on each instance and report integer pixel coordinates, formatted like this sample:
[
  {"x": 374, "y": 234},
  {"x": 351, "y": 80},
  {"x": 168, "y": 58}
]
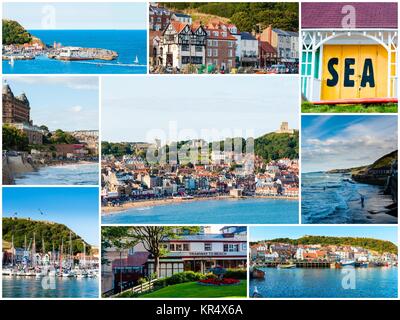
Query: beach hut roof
[{"x": 328, "y": 15}]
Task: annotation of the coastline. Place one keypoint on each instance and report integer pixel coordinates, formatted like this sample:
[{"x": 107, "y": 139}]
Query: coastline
[
  {"x": 106, "y": 210},
  {"x": 10, "y": 171}
]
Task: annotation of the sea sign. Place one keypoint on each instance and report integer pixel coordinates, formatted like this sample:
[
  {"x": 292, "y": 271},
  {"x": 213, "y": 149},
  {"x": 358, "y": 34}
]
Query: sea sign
[{"x": 367, "y": 76}]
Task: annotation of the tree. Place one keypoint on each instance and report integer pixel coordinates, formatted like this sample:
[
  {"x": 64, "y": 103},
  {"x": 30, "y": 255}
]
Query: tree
[
  {"x": 118, "y": 238},
  {"x": 14, "y": 33},
  {"x": 152, "y": 238},
  {"x": 14, "y": 139}
]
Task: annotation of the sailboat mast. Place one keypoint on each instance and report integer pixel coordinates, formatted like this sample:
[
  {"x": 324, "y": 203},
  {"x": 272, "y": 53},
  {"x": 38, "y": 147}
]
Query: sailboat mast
[{"x": 12, "y": 250}]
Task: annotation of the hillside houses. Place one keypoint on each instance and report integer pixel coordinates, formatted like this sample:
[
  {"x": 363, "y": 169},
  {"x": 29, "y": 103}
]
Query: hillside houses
[{"x": 178, "y": 43}]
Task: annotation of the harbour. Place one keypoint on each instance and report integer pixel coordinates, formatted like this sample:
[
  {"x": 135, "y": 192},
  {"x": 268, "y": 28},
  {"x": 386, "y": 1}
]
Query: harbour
[
  {"x": 326, "y": 283},
  {"x": 80, "y": 51}
]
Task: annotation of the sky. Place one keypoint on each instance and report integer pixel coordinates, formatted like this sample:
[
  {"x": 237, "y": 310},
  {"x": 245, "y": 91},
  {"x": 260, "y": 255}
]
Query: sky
[
  {"x": 150, "y": 107},
  {"x": 67, "y": 103},
  {"x": 77, "y": 15},
  {"x": 340, "y": 142},
  {"x": 77, "y": 208},
  {"x": 375, "y": 232}
]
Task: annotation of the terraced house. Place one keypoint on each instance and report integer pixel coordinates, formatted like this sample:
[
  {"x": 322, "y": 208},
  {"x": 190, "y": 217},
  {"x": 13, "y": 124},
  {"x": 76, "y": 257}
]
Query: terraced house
[{"x": 221, "y": 47}]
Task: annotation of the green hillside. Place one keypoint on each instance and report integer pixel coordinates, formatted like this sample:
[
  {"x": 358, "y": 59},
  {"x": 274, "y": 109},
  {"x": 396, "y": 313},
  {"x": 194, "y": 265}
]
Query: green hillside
[
  {"x": 14, "y": 33},
  {"x": 50, "y": 232},
  {"x": 247, "y": 16},
  {"x": 367, "y": 243},
  {"x": 273, "y": 146}
]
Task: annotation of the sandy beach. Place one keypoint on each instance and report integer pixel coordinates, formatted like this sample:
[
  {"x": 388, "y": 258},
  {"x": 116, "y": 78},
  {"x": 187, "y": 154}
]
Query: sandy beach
[{"x": 150, "y": 203}]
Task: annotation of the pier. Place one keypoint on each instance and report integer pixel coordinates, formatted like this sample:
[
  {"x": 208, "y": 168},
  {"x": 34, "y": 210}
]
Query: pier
[{"x": 302, "y": 264}]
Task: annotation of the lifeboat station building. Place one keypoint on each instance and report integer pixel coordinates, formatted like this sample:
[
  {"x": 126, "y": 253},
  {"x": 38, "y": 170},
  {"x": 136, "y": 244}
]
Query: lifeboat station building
[
  {"x": 349, "y": 51},
  {"x": 194, "y": 252}
]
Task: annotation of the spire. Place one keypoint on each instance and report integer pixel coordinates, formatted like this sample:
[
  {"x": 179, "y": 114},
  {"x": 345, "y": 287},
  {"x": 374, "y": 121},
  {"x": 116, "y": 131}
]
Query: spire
[{"x": 22, "y": 97}]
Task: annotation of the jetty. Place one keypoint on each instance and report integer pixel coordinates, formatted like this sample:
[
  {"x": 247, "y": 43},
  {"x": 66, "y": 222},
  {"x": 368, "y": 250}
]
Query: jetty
[{"x": 79, "y": 54}]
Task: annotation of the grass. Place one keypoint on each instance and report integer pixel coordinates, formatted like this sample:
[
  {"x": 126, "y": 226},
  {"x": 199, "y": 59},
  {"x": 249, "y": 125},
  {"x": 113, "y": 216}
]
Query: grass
[
  {"x": 307, "y": 107},
  {"x": 195, "y": 290}
]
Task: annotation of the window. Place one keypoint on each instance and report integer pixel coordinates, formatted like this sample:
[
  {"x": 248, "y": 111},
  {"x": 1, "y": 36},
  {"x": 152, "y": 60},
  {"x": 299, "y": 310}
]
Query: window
[
  {"x": 172, "y": 247},
  {"x": 209, "y": 52},
  {"x": 216, "y": 33},
  {"x": 231, "y": 247},
  {"x": 224, "y": 34},
  {"x": 185, "y": 47},
  {"x": 215, "y": 43},
  {"x": 230, "y": 54},
  {"x": 230, "y": 44},
  {"x": 208, "y": 247},
  {"x": 178, "y": 247},
  {"x": 215, "y": 52},
  {"x": 209, "y": 43},
  {"x": 186, "y": 247}
]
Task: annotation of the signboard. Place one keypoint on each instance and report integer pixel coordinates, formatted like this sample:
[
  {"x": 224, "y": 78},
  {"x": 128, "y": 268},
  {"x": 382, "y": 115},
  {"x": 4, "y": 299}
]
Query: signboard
[{"x": 354, "y": 71}]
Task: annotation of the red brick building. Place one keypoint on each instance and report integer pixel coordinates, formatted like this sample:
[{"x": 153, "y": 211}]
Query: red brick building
[{"x": 220, "y": 48}]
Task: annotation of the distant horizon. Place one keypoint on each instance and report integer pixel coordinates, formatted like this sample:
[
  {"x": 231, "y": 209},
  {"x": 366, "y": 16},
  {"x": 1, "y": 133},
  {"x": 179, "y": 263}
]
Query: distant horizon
[{"x": 227, "y": 137}]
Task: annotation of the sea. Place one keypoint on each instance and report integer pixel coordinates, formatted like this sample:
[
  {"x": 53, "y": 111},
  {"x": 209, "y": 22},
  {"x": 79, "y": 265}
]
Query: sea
[
  {"x": 331, "y": 198},
  {"x": 380, "y": 282},
  {"x": 128, "y": 44},
  {"x": 232, "y": 211},
  {"x": 32, "y": 287},
  {"x": 69, "y": 174}
]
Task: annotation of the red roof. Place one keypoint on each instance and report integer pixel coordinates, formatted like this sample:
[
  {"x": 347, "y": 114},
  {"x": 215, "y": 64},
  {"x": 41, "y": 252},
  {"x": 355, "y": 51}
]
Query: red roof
[
  {"x": 178, "y": 26},
  {"x": 266, "y": 46},
  {"x": 329, "y": 15},
  {"x": 220, "y": 37}
]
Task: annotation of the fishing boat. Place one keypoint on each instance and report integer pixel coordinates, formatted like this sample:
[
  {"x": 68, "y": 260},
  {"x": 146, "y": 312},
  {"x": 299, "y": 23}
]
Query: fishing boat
[
  {"x": 286, "y": 266},
  {"x": 345, "y": 263},
  {"x": 257, "y": 273}
]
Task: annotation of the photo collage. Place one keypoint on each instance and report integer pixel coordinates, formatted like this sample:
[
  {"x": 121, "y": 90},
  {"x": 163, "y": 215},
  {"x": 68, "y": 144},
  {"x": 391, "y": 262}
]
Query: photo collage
[{"x": 242, "y": 150}]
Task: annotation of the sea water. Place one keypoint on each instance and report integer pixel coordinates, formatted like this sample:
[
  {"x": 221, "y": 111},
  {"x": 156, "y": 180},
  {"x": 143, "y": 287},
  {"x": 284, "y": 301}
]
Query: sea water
[
  {"x": 127, "y": 43},
  {"x": 380, "y": 282},
  {"x": 32, "y": 287},
  {"x": 239, "y": 211},
  {"x": 68, "y": 174},
  {"x": 329, "y": 198}
]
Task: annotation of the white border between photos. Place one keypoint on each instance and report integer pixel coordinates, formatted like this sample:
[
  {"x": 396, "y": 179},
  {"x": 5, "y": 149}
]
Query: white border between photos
[{"x": 101, "y": 76}]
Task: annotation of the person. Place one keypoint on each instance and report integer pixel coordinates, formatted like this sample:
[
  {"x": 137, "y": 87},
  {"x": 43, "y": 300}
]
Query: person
[
  {"x": 362, "y": 200},
  {"x": 256, "y": 294}
]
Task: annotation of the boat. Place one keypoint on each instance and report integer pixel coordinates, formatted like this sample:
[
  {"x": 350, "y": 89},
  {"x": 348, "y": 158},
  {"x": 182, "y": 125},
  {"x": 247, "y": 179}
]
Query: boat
[
  {"x": 136, "y": 61},
  {"x": 286, "y": 266},
  {"x": 257, "y": 273},
  {"x": 11, "y": 62},
  {"x": 344, "y": 263},
  {"x": 8, "y": 272}
]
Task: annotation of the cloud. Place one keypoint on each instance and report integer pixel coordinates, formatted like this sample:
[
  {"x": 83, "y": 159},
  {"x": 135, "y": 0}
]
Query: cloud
[
  {"x": 358, "y": 143},
  {"x": 77, "y": 108}
]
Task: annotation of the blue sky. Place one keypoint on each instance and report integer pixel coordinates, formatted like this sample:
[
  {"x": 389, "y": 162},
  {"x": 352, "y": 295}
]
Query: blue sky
[
  {"x": 75, "y": 207},
  {"x": 375, "y": 232},
  {"x": 337, "y": 142},
  {"x": 76, "y": 15},
  {"x": 67, "y": 103},
  {"x": 240, "y": 105}
]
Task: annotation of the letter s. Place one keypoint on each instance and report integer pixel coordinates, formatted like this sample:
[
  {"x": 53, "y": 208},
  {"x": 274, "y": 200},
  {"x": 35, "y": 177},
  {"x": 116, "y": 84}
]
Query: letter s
[{"x": 335, "y": 77}]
